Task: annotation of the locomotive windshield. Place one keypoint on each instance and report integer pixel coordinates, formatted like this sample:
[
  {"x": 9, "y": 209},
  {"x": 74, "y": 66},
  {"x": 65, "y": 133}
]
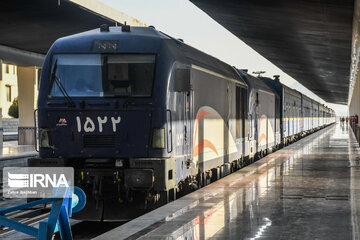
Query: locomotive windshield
[{"x": 96, "y": 75}]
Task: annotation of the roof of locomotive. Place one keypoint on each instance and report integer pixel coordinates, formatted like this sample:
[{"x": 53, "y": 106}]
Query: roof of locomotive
[
  {"x": 255, "y": 82},
  {"x": 276, "y": 84},
  {"x": 142, "y": 40}
]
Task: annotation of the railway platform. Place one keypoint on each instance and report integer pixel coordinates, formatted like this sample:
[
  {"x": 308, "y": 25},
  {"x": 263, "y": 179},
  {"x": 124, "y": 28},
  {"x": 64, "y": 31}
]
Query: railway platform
[
  {"x": 13, "y": 155},
  {"x": 11, "y": 149},
  {"x": 307, "y": 190}
]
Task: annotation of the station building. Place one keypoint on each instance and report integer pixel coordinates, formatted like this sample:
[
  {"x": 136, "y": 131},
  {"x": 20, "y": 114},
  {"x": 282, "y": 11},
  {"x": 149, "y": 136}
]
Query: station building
[{"x": 8, "y": 87}]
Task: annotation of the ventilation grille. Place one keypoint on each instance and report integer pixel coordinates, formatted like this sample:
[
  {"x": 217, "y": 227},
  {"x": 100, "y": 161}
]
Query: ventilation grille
[{"x": 99, "y": 141}]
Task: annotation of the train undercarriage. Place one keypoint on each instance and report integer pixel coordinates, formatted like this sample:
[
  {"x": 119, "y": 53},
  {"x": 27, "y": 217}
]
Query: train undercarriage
[
  {"x": 116, "y": 191},
  {"x": 123, "y": 189}
]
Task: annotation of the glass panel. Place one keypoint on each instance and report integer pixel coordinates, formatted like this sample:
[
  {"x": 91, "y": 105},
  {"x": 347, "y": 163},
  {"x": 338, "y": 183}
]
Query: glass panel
[
  {"x": 130, "y": 75},
  {"x": 95, "y": 75},
  {"x": 79, "y": 74}
]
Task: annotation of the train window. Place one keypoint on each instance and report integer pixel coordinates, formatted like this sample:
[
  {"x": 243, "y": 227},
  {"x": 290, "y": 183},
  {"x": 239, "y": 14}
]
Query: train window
[
  {"x": 182, "y": 80},
  {"x": 129, "y": 75},
  {"x": 80, "y": 75},
  {"x": 96, "y": 75}
]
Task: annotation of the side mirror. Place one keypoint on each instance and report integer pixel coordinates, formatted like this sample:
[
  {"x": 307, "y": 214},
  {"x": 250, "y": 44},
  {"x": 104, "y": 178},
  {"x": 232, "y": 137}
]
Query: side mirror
[{"x": 182, "y": 80}]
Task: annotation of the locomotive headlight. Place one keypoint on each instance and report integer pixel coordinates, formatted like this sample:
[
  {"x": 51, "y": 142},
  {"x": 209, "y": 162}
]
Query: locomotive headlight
[
  {"x": 44, "y": 138},
  {"x": 158, "y": 138},
  {"x": 119, "y": 163}
]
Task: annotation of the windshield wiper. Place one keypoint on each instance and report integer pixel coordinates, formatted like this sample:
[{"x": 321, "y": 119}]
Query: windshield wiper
[{"x": 61, "y": 87}]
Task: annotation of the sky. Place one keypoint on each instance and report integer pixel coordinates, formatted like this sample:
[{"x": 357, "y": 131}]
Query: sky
[{"x": 182, "y": 19}]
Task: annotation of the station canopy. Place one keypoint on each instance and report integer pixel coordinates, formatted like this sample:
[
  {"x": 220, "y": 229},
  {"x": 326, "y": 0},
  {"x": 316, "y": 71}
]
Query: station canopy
[
  {"x": 28, "y": 28},
  {"x": 309, "y": 40}
]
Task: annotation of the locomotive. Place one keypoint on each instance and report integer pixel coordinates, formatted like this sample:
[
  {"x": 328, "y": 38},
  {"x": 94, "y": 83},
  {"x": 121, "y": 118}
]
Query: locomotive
[{"x": 144, "y": 118}]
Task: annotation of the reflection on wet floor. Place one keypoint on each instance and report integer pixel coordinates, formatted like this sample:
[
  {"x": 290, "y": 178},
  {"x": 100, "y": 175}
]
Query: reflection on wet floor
[
  {"x": 14, "y": 155},
  {"x": 11, "y": 148},
  {"x": 308, "y": 190}
]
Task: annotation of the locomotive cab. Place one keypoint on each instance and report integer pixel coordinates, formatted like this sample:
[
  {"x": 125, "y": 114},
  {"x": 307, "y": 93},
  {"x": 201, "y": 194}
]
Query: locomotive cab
[{"x": 102, "y": 110}]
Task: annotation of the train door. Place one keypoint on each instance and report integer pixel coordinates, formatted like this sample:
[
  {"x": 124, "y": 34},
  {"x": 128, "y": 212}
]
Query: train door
[
  {"x": 301, "y": 119},
  {"x": 187, "y": 123},
  {"x": 298, "y": 119},
  {"x": 289, "y": 119},
  {"x": 293, "y": 110},
  {"x": 312, "y": 116},
  {"x": 185, "y": 105},
  {"x": 251, "y": 108},
  {"x": 307, "y": 113},
  {"x": 316, "y": 116},
  {"x": 241, "y": 114},
  {"x": 292, "y": 114},
  {"x": 277, "y": 120},
  {"x": 245, "y": 123},
  {"x": 265, "y": 120},
  {"x": 256, "y": 122},
  {"x": 286, "y": 121}
]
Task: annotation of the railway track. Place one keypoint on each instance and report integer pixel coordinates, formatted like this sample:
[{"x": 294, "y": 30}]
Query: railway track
[{"x": 32, "y": 216}]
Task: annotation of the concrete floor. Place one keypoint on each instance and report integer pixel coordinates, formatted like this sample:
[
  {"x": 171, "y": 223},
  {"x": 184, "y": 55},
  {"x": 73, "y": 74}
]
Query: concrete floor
[
  {"x": 308, "y": 190},
  {"x": 14, "y": 155},
  {"x": 12, "y": 149}
]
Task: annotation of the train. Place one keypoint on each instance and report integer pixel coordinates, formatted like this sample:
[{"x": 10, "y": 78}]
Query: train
[{"x": 144, "y": 118}]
